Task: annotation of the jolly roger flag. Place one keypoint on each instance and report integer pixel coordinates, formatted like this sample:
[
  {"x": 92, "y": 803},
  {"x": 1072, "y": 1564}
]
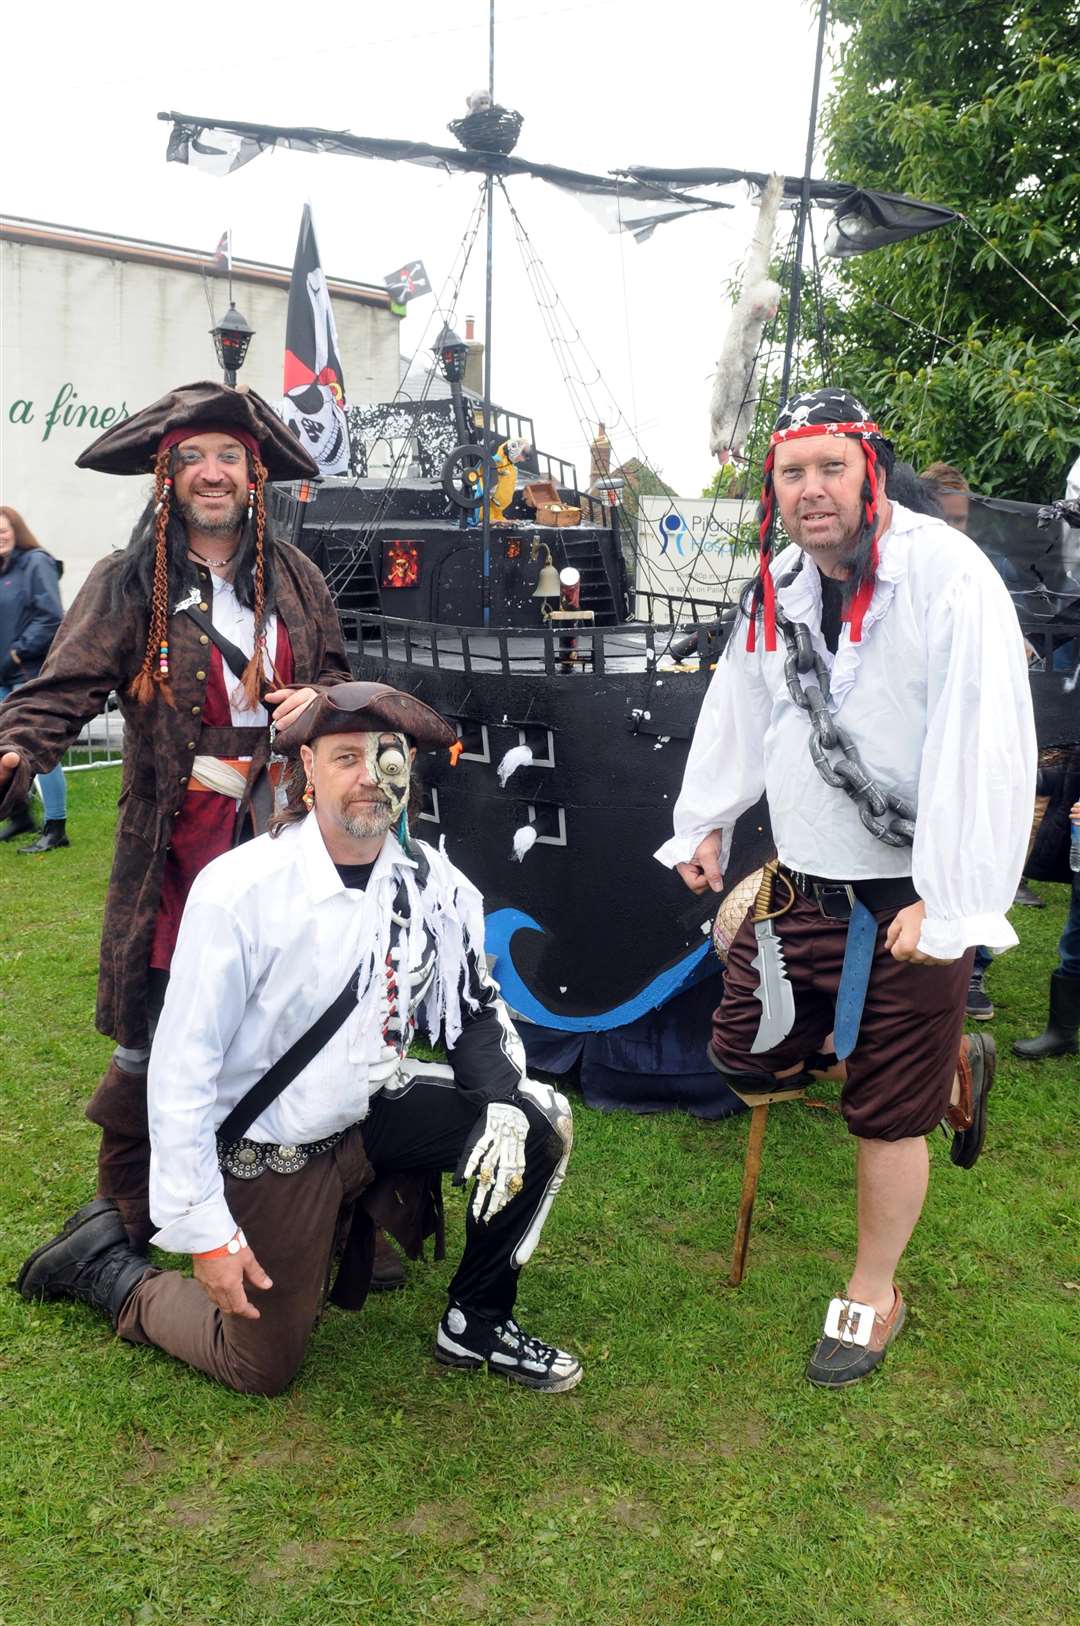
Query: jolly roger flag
[
  {"x": 408, "y": 282},
  {"x": 314, "y": 404}
]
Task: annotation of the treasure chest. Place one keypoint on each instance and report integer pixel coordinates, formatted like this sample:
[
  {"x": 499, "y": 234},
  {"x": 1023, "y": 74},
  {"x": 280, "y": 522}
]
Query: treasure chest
[{"x": 543, "y": 495}]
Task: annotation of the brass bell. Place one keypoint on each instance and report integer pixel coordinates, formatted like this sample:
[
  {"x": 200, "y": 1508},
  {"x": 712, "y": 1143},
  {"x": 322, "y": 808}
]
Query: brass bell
[{"x": 547, "y": 583}]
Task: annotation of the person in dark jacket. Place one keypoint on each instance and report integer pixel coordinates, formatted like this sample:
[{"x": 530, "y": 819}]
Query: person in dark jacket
[
  {"x": 1049, "y": 861},
  {"x": 30, "y": 613}
]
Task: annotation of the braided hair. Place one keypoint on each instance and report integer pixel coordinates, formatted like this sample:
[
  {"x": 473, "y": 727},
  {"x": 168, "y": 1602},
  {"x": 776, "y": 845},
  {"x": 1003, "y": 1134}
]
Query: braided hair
[
  {"x": 155, "y": 570},
  {"x": 822, "y": 412}
]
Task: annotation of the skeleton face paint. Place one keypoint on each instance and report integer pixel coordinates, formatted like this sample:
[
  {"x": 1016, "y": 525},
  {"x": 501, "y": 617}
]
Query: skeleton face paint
[{"x": 388, "y": 767}]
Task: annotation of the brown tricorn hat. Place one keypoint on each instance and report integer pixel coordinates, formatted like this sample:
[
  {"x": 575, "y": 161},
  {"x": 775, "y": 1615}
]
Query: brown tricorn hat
[
  {"x": 131, "y": 446},
  {"x": 363, "y": 708}
]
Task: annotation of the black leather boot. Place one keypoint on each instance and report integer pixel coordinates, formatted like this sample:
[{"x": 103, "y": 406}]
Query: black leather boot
[
  {"x": 19, "y": 821},
  {"x": 90, "y": 1260},
  {"x": 53, "y": 835},
  {"x": 1063, "y": 1024}
]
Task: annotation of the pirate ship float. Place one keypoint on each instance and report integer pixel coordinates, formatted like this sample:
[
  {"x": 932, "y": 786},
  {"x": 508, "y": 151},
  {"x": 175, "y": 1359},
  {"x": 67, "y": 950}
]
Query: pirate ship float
[{"x": 473, "y": 570}]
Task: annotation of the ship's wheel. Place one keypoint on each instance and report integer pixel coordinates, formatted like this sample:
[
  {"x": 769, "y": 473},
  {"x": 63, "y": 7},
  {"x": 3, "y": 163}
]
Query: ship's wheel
[{"x": 467, "y": 473}]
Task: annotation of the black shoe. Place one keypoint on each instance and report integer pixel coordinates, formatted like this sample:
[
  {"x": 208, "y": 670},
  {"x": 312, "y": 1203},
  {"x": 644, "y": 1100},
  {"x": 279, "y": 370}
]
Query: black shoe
[
  {"x": 467, "y": 1341},
  {"x": 1027, "y": 899},
  {"x": 978, "y": 1005},
  {"x": 975, "y": 1069},
  {"x": 1063, "y": 1024},
  {"x": 18, "y": 823},
  {"x": 90, "y": 1260},
  {"x": 53, "y": 835}
]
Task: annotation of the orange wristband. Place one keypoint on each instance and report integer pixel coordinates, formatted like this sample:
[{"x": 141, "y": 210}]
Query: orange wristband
[{"x": 234, "y": 1244}]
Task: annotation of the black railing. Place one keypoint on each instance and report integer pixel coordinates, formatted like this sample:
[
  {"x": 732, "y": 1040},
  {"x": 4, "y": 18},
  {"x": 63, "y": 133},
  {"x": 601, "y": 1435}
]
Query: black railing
[{"x": 555, "y": 652}]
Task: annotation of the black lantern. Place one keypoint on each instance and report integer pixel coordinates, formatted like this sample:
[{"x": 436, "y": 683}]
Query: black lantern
[
  {"x": 231, "y": 339},
  {"x": 452, "y": 353}
]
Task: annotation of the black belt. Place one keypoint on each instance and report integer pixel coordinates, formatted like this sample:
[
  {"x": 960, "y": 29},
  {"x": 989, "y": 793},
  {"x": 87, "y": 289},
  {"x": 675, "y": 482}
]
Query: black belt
[{"x": 835, "y": 899}]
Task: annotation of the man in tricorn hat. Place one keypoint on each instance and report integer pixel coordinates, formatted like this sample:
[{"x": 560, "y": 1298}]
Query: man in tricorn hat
[
  {"x": 205, "y": 627},
  {"x": 898, "y": 677},
  {"x": 281, "y": 1092}
]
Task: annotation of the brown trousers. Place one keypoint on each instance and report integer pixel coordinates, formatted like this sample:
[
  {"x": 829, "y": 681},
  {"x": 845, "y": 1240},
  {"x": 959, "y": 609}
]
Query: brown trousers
[{"x": 292, "y": 1222}]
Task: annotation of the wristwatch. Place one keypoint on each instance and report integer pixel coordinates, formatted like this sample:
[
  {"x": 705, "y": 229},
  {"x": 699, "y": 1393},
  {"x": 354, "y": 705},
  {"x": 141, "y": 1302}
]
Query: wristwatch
[{"x": 234, "y": 1244}]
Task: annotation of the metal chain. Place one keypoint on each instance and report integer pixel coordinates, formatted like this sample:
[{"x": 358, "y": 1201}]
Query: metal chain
[{"x": 886, "y": 815}]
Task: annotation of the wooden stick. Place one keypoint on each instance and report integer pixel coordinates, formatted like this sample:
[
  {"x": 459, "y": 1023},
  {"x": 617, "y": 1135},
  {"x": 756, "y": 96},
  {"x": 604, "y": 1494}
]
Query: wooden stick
[{"x": 759, "y": 1117}]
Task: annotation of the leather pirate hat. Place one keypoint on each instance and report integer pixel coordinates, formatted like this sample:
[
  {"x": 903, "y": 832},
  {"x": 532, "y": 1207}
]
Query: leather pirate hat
[
  {"x": 131, "y": 446},
  {"x": 359, "y": 708}
]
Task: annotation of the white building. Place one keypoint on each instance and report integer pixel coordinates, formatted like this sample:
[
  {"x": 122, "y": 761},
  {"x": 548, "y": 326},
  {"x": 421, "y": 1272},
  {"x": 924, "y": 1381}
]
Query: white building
[{"x": 96, "y": 326}]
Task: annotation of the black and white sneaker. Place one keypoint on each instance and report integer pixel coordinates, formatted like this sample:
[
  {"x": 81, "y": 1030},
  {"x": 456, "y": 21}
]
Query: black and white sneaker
[{"x": 468, "y": 1342}]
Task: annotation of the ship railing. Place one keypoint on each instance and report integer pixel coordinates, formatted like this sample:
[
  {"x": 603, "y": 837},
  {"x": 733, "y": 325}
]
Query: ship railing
[
  {"x": 682, "y": 609},
  {"x": 560, "y": 651}
]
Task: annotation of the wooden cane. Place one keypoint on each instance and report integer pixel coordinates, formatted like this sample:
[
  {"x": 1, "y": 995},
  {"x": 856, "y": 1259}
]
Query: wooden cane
[{"x": 759, "y": 1117}]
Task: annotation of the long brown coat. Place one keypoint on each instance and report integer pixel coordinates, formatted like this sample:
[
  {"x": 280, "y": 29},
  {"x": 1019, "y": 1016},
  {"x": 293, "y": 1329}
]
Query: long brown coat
[{"x": 99, "y": 649}]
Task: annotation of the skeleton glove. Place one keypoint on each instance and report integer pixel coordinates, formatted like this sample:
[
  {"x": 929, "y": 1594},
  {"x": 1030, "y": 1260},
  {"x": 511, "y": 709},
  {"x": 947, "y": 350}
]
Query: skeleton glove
[{"x": 495, "y": 1153}]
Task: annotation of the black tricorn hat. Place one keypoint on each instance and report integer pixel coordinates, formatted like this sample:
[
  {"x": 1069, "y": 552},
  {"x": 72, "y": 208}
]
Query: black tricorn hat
[
  {"x": 363, "y": 708},
  {"x": 131, "y": 446}
]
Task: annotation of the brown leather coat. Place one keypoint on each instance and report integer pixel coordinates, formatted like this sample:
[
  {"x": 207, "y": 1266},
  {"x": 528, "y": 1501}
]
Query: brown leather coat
[{"x": 99, "y": 649}]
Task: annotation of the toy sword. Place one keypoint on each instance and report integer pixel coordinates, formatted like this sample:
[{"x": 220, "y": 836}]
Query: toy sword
[{"x": 773, "y": 990}]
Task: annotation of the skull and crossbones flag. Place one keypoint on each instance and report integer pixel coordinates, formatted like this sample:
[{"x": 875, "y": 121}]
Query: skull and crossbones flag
[
  {"x": 314, "y": 403},
  {"x": 408, "y": 282}
]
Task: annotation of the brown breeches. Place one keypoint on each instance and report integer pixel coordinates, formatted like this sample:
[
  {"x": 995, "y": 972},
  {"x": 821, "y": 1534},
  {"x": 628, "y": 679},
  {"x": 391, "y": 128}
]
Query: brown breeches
[{"x": 291, "y": 1222}]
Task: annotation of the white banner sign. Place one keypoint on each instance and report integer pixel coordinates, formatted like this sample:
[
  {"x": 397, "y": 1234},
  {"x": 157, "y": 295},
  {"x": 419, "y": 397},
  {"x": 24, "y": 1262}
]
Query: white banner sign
[{"x": 685, "y": 551}]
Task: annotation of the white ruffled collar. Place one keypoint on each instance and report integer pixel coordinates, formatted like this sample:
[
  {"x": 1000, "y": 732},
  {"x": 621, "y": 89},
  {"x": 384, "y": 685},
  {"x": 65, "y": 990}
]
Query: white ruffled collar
[{"x": 800, "y": 600}]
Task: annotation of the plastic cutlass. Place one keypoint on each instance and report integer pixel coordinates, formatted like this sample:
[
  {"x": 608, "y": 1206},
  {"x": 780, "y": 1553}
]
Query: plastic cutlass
[{"x": 773, "y": 990}]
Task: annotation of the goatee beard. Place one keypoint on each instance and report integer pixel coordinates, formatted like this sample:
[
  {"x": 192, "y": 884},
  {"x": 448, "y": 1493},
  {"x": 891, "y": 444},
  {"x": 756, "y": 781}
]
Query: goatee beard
[
  {"x": 226, "y": 524},
  {"x": 368, "y": 820}
]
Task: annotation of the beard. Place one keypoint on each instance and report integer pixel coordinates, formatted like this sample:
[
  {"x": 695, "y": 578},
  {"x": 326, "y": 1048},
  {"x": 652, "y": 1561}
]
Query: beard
[
  {"x": 218, "y": 522},
  {"x": 364, "y": 820}
]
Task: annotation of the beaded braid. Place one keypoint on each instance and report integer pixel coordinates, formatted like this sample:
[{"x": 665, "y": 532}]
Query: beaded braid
[
  {"x": 153, "y": 675},
  {"x": 255, "y": 674}
]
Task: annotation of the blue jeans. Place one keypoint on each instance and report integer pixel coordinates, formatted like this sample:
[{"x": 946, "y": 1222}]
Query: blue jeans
[
  {"x": 52, "y": 785},
  {"x": 983, "y": 959},
  {"x": 1069, "y": 947}
]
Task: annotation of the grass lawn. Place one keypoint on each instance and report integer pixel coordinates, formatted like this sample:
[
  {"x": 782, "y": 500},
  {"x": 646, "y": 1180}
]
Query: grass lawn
[{"x": 694, "y": 1476}]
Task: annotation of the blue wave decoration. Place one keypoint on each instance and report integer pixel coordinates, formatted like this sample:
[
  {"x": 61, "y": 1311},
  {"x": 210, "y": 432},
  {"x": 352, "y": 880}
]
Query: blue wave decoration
[{"x": 499, "y": 929}]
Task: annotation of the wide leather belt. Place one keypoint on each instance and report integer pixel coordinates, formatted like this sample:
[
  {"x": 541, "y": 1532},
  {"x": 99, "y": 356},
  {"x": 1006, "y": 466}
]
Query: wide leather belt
[
  {"x": 231, "y": 742},
  {"x": 836, "y": 899}
]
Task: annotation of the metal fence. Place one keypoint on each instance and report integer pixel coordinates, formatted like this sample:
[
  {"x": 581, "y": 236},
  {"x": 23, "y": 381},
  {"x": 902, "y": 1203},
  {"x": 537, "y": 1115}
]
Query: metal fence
[{"x": 101, "y": 743}]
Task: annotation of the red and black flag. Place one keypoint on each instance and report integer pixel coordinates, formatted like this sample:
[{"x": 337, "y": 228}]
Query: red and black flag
[{"x": 314, "y": 404}]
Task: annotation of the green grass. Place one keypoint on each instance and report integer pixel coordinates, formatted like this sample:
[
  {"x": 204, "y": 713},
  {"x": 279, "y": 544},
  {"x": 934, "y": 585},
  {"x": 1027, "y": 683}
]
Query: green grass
[{"x": 693, "y": 1476}]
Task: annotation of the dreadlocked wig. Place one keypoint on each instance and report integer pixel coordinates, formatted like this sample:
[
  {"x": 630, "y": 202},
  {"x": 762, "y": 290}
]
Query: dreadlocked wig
[
  {"x": 831, "y": 412},
  {"x": 156, "y": 567}
]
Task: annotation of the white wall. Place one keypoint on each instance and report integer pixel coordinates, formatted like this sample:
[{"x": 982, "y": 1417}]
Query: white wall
[{"x": 84, "y": 337}]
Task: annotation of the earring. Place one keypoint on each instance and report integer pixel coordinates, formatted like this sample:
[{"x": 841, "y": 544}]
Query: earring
[
  {"x": 165, "y": 490},
  {"x": 251, "y": 498},
  {"x": 308, "y": 797}
]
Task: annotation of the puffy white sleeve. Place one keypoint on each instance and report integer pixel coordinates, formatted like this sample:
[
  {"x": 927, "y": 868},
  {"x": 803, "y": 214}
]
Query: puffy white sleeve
[
  {"x": 204, "y": 1005},
  {"x": 725, "y": 768},
  {"x": 977, "y": 781}
]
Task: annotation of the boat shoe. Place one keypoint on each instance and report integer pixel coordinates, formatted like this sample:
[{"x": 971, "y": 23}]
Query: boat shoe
[
  {"x": 854, "y": 1341},
  {"x": 975, "y": 1069}
]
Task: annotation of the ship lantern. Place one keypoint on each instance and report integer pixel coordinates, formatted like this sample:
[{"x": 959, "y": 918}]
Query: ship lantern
[
  {"x": 231, "y": 339},
  {"x": 547, "y": 583},
  {"x": 452, "y": 353}
]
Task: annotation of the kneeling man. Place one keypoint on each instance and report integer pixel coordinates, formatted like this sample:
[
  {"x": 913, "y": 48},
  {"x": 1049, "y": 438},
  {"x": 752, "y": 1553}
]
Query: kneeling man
[{"x": 280, "y": 1085}]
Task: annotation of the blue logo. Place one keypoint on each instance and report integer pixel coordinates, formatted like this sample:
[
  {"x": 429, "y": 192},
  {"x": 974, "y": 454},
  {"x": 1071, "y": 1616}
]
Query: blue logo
[{"x": 672, "y": 529}]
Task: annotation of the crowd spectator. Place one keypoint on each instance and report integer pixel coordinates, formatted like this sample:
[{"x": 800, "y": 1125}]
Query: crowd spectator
[{"x": 30, "y": 613}]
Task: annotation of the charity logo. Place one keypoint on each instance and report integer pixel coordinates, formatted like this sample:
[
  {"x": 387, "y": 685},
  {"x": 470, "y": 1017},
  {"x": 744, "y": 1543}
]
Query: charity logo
[{"x": 672, "y": 531}]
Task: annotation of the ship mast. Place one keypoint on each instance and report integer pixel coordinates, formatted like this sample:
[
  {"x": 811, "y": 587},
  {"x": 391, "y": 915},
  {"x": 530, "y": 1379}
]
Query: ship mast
[
  {"x": 795, "y": 290},
  {"x": 485, "y": 585}
]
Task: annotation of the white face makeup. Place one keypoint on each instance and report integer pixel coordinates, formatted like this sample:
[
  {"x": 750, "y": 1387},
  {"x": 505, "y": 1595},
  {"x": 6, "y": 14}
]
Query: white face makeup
[{"x": 388, "y": 767}]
